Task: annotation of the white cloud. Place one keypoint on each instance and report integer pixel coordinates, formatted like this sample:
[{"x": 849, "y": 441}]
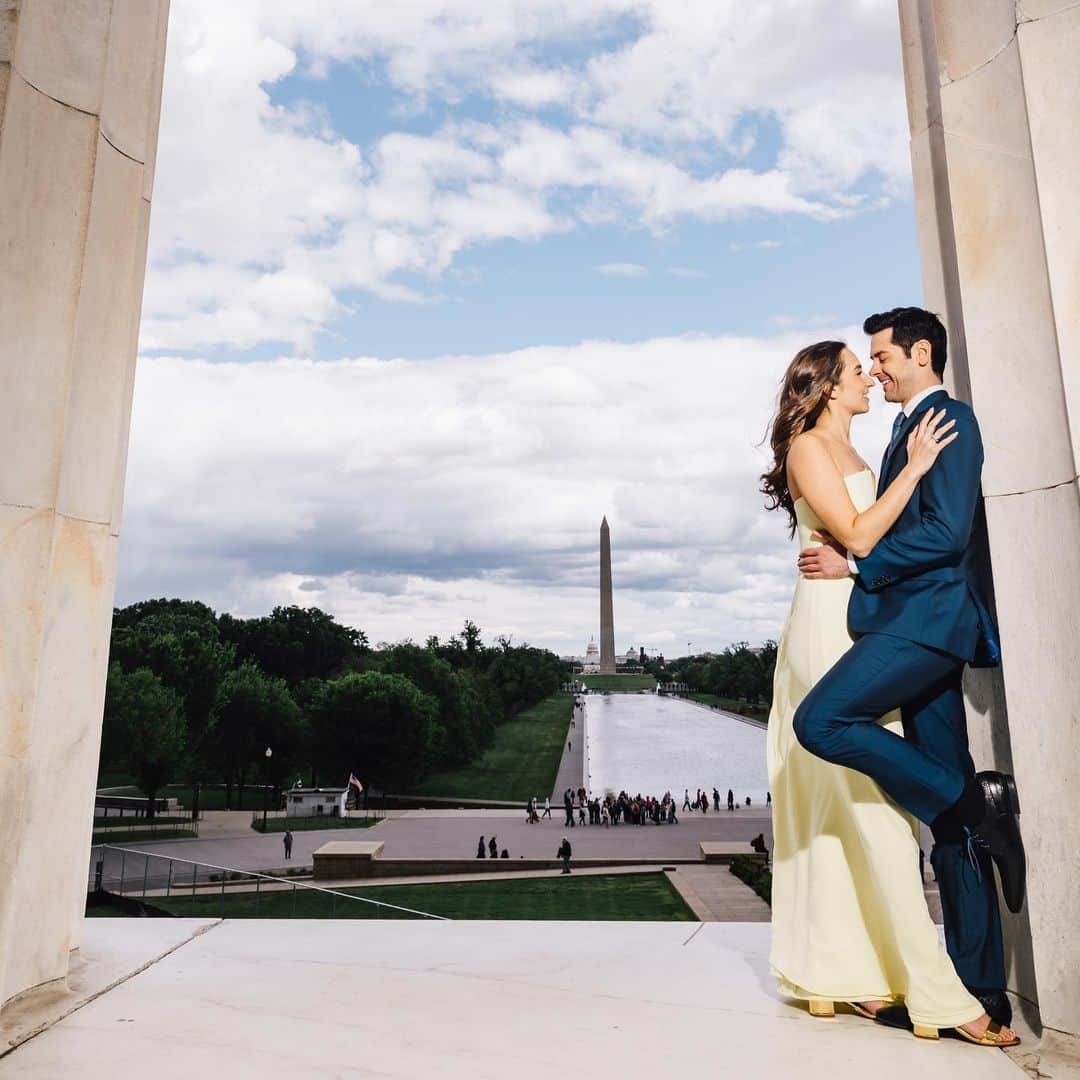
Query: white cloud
[
  {"x": 406, "y": 496},
  {"x": 267, "y": 218},
  {"x": 761, "y": 245},
  {"x": 687, "y": 272},
  {"x": 622, "y": 269}
]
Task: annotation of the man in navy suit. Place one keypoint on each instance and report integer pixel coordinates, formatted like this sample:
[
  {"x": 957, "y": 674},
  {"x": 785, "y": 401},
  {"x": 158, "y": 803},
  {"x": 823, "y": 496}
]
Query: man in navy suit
[{"x": 917, "y": 619}]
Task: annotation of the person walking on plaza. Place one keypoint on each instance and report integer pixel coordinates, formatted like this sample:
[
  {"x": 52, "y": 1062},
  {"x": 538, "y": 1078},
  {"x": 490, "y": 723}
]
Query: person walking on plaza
[
  {"x": 686, "y": 799},
  {"x": 547, "y": 808},
  {"x": 730, "y": 799},
  {"x": 287, "y": 841},
  {"x": 493, "y": 848},
  {"x": 564, "y": 853},
  {"x": 481, "y": 851},
  {"x": 716, "y": 800}
]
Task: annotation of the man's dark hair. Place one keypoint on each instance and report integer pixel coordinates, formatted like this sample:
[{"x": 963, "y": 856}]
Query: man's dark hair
[{"x": 911, "y": 324}]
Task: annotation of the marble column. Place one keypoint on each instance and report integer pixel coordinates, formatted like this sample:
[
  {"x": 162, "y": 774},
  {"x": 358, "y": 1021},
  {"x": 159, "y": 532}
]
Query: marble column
[
  {"x": 80, "y": 92},
  {"x": 607, "y": 612},
  {"x": 993, "y": 90}
]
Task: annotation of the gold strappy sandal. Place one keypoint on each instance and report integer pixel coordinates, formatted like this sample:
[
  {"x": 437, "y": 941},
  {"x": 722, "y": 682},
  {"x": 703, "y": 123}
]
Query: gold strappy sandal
[
  {"x": 991, "y": 1037},
  {"x": 826, "y": 1009}
]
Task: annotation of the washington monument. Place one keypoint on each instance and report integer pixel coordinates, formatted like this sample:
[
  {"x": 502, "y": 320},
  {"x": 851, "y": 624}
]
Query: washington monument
[{"x": 607, "y": 617}]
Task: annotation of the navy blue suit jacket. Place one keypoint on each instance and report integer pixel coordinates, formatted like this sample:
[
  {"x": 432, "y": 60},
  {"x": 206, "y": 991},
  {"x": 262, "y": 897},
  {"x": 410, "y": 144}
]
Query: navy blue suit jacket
[{"x": 919, "y": 582}]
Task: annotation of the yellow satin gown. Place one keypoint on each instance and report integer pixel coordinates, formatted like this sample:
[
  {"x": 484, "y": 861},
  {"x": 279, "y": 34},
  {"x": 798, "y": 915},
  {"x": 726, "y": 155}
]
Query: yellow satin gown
[{"x": 849, "y": 918}]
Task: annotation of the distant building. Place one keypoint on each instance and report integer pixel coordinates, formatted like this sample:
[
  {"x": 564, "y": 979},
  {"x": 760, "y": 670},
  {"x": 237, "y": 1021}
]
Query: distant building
[
  {"x": 591, "y": 665},
  {"x": 315, "y": 802}
]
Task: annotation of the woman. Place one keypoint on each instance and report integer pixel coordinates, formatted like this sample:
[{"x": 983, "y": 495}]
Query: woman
[{"x": 850, "y": 921}]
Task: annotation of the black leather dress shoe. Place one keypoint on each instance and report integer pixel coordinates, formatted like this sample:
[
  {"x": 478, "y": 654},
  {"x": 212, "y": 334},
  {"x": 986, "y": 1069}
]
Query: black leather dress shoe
[
  {"x": 894, "y": 1016},
  {"x": 996, "y": 1003},
  {"x": 999, "y": 831}
]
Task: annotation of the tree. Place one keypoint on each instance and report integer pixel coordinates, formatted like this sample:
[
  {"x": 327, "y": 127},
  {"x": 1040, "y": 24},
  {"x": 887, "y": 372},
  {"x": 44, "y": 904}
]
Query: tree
[
  {"x": 252, "y": 712},
  {"x": 466, "y": 716},
  {"x": 175, "y": 615},
  {"x": 378, "y": 725},
  {"x": 144, "y": 727},
  {"x": 470, "y": 638},
  {"x": 294, "y": 643},
  {"x": 188, "y": 657}
]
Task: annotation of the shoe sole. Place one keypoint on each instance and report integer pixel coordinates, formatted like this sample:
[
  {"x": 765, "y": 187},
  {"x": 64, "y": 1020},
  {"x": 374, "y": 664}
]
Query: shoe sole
[
  {"x": 1012, "y": 796},
  {"x": 1012, "y": 800}
]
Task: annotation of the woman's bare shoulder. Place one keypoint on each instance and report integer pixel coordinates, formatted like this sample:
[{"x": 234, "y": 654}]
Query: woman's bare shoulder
[{"x": 807, "y": 446}]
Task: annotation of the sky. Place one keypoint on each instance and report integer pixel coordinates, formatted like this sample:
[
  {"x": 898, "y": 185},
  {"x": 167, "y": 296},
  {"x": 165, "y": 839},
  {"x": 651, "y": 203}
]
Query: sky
[{"x": 434, "y": 286}]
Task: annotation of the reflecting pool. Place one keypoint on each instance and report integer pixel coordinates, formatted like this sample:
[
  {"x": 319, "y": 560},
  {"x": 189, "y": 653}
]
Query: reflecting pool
[{"x": 648, "y": 744}]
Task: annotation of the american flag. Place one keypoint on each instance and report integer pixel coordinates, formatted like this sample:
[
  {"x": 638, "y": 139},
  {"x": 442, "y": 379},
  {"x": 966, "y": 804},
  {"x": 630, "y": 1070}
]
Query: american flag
[{"x": 353, "y": 782}]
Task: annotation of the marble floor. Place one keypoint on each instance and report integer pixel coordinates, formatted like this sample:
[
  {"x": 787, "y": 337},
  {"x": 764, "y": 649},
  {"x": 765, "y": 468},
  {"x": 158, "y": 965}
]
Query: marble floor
[{"x": 464, "y": 999}]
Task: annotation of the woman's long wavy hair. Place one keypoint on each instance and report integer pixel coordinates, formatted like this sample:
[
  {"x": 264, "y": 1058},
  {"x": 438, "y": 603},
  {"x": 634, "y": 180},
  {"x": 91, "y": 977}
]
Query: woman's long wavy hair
[{"x": 804, "y": 393}]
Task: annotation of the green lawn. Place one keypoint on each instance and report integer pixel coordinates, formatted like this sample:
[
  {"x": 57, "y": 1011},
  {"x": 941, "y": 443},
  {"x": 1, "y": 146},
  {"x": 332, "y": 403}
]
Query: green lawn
[
  {"x": 646, "y": 897},
  {"x": 523, "y": 760},
  {"x": 107, "y": 911},
  {"x": 619, "y": 682},
  {"x": 209, "y": 798},
  {"x": 740, "y": 707},
  {"x": 114, "y": 779},
  {"x": 305, "y": 824},
  {"x": 214, "y": 798}
]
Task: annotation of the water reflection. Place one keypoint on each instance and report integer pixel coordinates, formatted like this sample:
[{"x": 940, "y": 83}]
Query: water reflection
[{"x": 642, "y": 743}]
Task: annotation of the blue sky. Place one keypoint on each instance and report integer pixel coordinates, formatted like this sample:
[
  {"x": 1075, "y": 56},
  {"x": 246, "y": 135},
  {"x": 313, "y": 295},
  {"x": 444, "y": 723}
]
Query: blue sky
[
  {"x": 431, "y": 290},
  {"x": 509, "y": 295}
]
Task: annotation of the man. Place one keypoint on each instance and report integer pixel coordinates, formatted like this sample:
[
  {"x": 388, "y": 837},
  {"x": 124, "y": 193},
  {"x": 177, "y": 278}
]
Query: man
[
  {"x": 917, "y": 619},
  {"x": 564, "y": 853},
  {"x": 730, "y": 799},
  {"x": 287, "y": 841}
]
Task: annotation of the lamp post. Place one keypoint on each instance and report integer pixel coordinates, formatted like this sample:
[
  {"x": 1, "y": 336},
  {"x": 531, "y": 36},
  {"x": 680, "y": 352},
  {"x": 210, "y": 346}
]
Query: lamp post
[{"x": 266, "y": 792}]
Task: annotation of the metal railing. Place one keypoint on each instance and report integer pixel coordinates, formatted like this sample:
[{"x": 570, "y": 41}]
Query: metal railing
[
  {"x": 146, "y": 828},
  {"x": 132, "y": 874}
]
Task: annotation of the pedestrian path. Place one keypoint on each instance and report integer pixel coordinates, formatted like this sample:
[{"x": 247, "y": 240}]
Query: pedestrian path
[
  {"x": 715, "y": 894},
  {"x": 571, "y": 772}
]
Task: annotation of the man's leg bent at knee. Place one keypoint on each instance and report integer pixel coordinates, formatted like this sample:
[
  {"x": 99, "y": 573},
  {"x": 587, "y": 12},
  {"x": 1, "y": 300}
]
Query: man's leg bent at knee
[{"x": 839, "y": 721}]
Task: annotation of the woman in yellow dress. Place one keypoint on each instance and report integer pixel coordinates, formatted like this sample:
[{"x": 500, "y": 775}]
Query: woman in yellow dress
[{"x": 850, "y": 921}]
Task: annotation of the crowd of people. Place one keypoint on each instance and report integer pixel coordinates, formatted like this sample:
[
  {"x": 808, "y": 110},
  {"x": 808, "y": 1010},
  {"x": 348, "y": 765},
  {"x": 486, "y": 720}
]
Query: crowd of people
[
  {"x": 580, "y": 808},
  {"x": 701, "y": 800}
]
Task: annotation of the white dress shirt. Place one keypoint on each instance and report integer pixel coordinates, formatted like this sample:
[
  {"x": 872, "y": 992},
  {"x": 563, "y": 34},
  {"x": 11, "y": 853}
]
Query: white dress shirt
[{"x": 909, "y": 407}]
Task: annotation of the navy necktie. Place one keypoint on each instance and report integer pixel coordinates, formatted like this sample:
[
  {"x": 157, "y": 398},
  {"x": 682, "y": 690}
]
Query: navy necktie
[{"x": 897, "y": 424}]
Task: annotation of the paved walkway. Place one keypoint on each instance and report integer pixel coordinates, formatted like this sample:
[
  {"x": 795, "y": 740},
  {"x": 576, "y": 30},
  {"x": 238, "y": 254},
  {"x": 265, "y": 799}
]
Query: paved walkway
[
  {"x": 571, "y": 772},
  {"x": 715, "y": 894},
  {"x": 484, "y": 1000},
  {"x": 434, "y": 834}
]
